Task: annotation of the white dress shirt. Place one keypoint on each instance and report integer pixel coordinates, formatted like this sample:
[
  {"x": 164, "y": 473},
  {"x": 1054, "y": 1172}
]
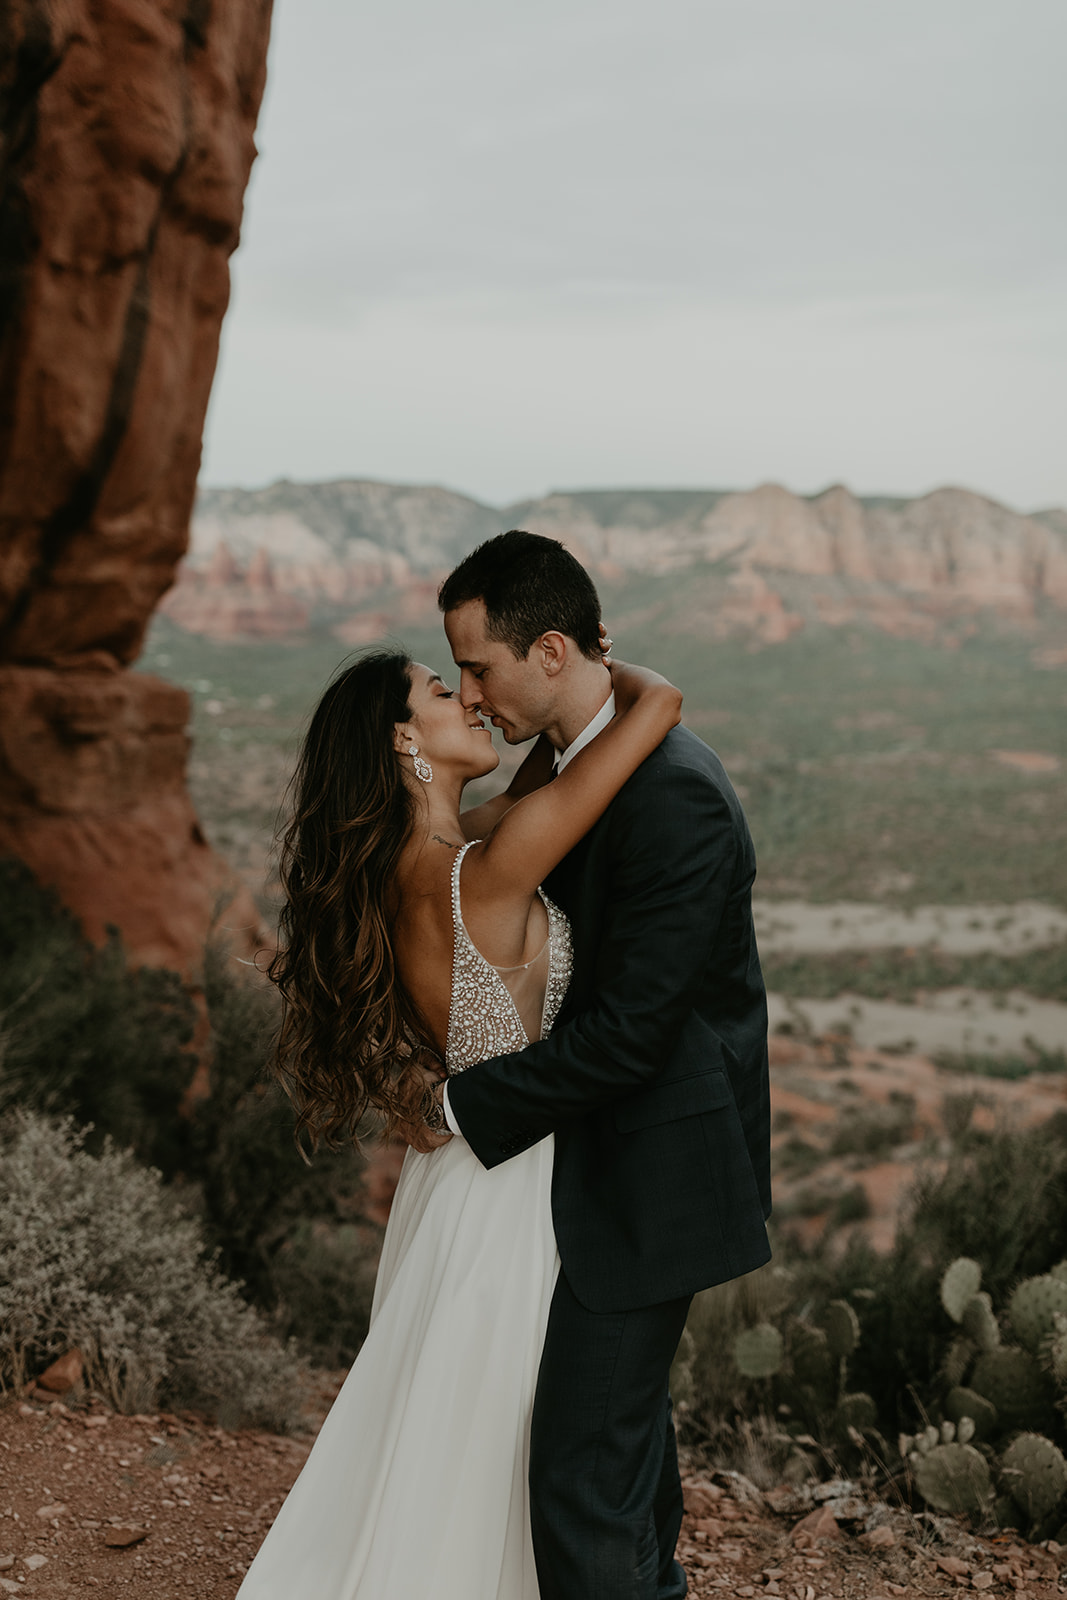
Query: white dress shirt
[{"x": 587, "y": 735}]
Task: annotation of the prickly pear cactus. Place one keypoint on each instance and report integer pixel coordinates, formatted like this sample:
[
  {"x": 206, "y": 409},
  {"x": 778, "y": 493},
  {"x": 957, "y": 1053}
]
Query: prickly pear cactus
[
  {"x": 811, "y": 1360},
  {"x": 1005, "y": 1512},
  {"x": 960, "y": 1283},
  {"x": 1059, "y": 1270},
  {"x": 967, "y": 1404},
  {"x": 1013, "y": 1382},
  {"x": 979, "y": 1322},
  {"x": 758, "y": 1351},
  {"x": 952, "y": 1477},
  {"x": 1033, "y": 1309},
  {"x": 842, "y": 1329},
  {"x": 1057, "y": 1354},
  {"x": 957, "y": 1359},
  {"x": 856, "y": 1411},
  {"x": 1036, "y": 1474}
]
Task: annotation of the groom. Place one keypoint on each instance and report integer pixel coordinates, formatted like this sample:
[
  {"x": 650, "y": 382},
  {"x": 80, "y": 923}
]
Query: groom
[{"x": 654, "y": 1080}]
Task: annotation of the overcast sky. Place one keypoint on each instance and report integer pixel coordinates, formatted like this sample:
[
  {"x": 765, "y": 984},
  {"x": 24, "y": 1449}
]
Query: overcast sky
[{"x": 535, "y": 244}]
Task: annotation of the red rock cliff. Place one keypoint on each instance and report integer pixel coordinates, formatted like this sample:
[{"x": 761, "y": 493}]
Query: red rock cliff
[{"x": 126, "y": 141}]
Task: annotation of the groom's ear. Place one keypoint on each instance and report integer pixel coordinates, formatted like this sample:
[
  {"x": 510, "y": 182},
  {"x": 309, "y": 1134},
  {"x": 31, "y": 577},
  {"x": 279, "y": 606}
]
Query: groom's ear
[{"x": 553, "y": 649}]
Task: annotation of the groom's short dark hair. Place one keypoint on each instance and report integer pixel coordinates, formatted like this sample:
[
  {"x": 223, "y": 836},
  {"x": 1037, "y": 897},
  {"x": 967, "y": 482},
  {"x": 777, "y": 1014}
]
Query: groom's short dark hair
[{"x": 530, "y": 585}]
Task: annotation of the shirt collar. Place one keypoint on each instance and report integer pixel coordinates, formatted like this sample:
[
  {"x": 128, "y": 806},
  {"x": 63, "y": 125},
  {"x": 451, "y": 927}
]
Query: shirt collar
[{"x": 588, "y": 733}]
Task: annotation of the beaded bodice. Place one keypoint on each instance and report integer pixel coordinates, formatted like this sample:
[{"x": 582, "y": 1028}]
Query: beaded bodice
[{"x": 483, "y": 1019}]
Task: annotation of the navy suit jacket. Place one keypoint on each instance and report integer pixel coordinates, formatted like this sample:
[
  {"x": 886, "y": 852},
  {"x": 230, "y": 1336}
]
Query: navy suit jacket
[{"x": 654, "y": 1079}]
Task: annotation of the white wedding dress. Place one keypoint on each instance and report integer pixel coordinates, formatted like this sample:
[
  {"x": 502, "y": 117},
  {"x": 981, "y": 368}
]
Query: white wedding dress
[{"x": 416, "y": 1486}]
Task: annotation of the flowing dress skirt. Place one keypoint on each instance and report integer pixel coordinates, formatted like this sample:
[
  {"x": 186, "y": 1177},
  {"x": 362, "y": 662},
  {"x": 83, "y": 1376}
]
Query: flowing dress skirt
[{"x": 416, "y": 1488}]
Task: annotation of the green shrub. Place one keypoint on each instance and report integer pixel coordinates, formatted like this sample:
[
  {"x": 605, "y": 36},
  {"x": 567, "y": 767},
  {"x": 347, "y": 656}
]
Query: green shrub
[
  {"x": 83, "y": 1034},
  {"x": 323, "y": 1280},
  {"x": 872, "y": 1130},
  {"x": 94, "y": 1253}
]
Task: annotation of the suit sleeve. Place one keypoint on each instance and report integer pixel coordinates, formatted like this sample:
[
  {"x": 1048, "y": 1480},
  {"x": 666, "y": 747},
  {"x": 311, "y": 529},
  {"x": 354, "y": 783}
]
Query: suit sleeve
[{"x": 673, "y": 852}]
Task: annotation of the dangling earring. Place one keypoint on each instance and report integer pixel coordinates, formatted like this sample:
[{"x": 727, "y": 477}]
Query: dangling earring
[{"x": 423, "y": 769}]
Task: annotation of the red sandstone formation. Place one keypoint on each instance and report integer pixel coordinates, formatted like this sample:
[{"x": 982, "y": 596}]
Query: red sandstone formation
[
  {"x": 126, "y": 135},
  {"x": 225, "y": 603},
  {"x": 906, "y": 567}
]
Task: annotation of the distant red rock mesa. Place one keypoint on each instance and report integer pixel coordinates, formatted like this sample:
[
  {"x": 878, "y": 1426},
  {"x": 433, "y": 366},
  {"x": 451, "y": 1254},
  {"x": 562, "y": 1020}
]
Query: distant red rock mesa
[
  {"x": 260, "y": 558},
  {"x": 127, "y": 128}
]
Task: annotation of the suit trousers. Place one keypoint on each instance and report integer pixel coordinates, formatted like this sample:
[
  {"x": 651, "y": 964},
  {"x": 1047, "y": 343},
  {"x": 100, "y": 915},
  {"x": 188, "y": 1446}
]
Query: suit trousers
[{"x": 605, "y": 1494}]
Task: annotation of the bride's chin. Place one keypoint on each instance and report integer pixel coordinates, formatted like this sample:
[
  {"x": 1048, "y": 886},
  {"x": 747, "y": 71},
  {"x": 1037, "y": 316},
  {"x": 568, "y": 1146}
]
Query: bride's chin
[{"x": 492, "y": 761}]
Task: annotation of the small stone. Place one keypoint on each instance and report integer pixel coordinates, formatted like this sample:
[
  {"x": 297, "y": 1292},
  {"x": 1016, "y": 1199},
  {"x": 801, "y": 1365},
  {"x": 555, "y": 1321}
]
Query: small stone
[
  {"x": 6, "y": 1563},
  {"x": 710, "y": 1527},
  {"x": 8, "y": 1586},
  {"x": 97, "y": 1420},
  {"x": 64, "y": 1374},
  {"x": 28, "y": 1411},
  {"x": 982, "y": 1580},
  {"x": 881, "y": 1538},
  {"x": 51, "y": 1510},
  {"x": 1002, "y": 1572},
  {"x": 785, "y": 1501},
  {"x": 820, "y": 1524},
  {"x": 700, "y": 1499},
  {"x": 122, "y": 1537},
  {"x": 33, "y": 1562},
  {"x": 953, "y": 1566}
]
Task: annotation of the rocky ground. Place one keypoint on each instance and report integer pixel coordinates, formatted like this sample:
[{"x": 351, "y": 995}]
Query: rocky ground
[{"x": 159, "y": 1507}]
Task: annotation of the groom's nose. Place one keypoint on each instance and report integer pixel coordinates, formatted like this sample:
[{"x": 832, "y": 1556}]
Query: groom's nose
[{"x": 470, "y": 692}]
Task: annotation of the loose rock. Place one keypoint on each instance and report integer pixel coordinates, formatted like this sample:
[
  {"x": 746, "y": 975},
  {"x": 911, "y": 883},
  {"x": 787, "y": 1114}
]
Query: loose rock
[
  {"x": 880, "y": 1538},
  {"x": 64, "y": 1374},
  {"x": 817, "y": 1525},
  {"x": 121, "y": 1538}
]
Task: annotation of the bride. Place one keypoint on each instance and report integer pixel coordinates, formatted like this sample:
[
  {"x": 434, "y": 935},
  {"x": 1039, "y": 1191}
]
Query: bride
[{"x": 412, "y": 927}]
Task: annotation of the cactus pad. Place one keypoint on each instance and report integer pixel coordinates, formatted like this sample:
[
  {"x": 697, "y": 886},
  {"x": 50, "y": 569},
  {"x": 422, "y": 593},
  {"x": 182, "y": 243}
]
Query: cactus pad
[
  {"x": 961, "y": 1403},
  {"x": 758, "y": 1351},
  {"x": 1033, "y": 1309},
  {"x": 979, "y": 1323},
  {"x": 810, "y": 1353},
  {"x": 957, "y": 1359},
  {"x": 842, "y": 1329},
  {"x": 855, "y": 1411},
  {"x": 960, "y": 1283},
  {"x": 953, "y": 1477},
  {"x": 1036, "y": 1473},
  {"x": 1013, "y": 1382},
  {"x": 1057, "y": 1355},
  {"x": 1005, "y": 1512}
]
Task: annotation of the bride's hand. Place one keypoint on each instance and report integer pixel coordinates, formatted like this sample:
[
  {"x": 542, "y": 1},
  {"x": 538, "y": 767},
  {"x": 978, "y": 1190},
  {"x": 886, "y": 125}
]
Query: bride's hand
[
  {"x": 418, "y": 1133},
  {"x": 422, "y": 1138}
]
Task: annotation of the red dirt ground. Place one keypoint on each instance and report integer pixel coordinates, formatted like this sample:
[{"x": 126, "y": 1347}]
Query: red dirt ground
[{"x": 198, "y": 1500}]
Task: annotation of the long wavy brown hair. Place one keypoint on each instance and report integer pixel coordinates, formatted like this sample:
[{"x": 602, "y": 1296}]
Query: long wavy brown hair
[{"x": 349, "y": 1030}]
